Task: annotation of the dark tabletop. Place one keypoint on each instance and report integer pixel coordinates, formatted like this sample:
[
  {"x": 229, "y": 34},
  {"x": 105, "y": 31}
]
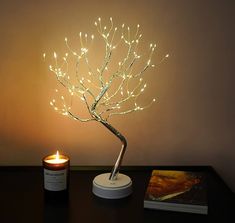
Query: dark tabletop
[{"x": 22, "y": 198}]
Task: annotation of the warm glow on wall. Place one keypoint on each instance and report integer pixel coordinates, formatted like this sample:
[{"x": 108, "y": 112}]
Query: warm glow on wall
[{"x": 192, "y": 121}]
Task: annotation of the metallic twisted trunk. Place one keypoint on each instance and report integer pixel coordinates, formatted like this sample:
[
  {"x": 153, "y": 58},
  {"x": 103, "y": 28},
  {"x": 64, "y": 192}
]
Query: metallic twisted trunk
[
  {"x": 116, "y": 167},
  {"x": 118, "y": 162}
]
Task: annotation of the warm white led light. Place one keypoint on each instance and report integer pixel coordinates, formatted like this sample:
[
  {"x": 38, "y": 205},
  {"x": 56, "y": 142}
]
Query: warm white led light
[
  {"x": 113, "y": 87},
  {"x": 106, "y": 102}
]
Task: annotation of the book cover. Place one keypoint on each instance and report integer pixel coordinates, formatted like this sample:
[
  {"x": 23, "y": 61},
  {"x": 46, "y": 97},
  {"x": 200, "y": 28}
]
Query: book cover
[{"x": 177, "y": 191}]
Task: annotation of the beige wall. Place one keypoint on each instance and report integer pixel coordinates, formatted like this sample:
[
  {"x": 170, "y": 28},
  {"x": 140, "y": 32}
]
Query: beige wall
[{"x": 193, "y": 122}]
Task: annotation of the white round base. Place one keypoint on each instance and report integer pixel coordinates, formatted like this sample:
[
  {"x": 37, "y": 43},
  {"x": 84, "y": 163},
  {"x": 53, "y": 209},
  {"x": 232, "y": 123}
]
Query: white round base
[{"x": 112, "y": 189}]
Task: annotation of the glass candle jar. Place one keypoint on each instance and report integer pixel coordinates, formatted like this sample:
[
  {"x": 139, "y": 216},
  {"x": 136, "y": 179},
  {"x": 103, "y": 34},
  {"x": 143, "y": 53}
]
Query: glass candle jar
[{"x": 56, "y": 176}]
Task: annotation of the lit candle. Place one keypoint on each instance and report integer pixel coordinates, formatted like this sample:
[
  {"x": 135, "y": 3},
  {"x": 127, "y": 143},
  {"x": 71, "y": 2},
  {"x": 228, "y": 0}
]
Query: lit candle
[
  {"x": 56, "y": 159},
  {"x": 56, "y": 175}
]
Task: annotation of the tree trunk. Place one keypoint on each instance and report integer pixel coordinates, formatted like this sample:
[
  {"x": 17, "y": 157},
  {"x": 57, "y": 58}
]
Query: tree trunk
[{"x": 118, "y": 163}]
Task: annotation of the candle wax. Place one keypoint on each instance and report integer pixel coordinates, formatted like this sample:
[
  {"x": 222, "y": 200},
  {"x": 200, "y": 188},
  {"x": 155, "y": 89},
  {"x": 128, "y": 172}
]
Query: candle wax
[{"x": 56, "y": 161}]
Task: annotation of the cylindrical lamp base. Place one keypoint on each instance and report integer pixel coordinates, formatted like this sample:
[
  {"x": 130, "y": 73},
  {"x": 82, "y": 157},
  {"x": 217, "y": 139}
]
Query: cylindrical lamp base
[{"x": 112, "y": 189}]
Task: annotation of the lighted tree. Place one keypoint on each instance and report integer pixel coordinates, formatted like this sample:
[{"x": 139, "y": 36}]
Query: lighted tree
[{"x": 105, "y": 93}]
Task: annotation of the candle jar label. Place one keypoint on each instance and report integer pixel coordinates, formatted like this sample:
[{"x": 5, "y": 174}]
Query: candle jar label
[{"x": 55, "y": 180}]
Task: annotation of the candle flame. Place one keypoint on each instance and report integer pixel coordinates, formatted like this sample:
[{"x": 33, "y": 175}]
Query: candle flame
[{"x": 57, "y": 156}]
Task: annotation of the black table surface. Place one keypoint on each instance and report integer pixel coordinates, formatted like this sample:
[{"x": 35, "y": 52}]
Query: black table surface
[{"x": 22, "y": 198}]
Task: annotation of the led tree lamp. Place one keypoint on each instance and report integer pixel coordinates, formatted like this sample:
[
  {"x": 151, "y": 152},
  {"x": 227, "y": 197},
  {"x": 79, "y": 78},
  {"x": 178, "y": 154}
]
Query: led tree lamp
[{"x": 105, "y": 92}]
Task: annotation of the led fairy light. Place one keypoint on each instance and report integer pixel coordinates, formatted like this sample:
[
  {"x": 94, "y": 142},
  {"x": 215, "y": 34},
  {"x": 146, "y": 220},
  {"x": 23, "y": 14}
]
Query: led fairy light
[{"x": 94, "y": 89}]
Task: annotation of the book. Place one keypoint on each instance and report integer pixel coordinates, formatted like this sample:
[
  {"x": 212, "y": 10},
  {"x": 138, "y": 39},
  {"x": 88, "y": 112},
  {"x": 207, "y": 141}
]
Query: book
[{"x": 173, "y": 190}]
